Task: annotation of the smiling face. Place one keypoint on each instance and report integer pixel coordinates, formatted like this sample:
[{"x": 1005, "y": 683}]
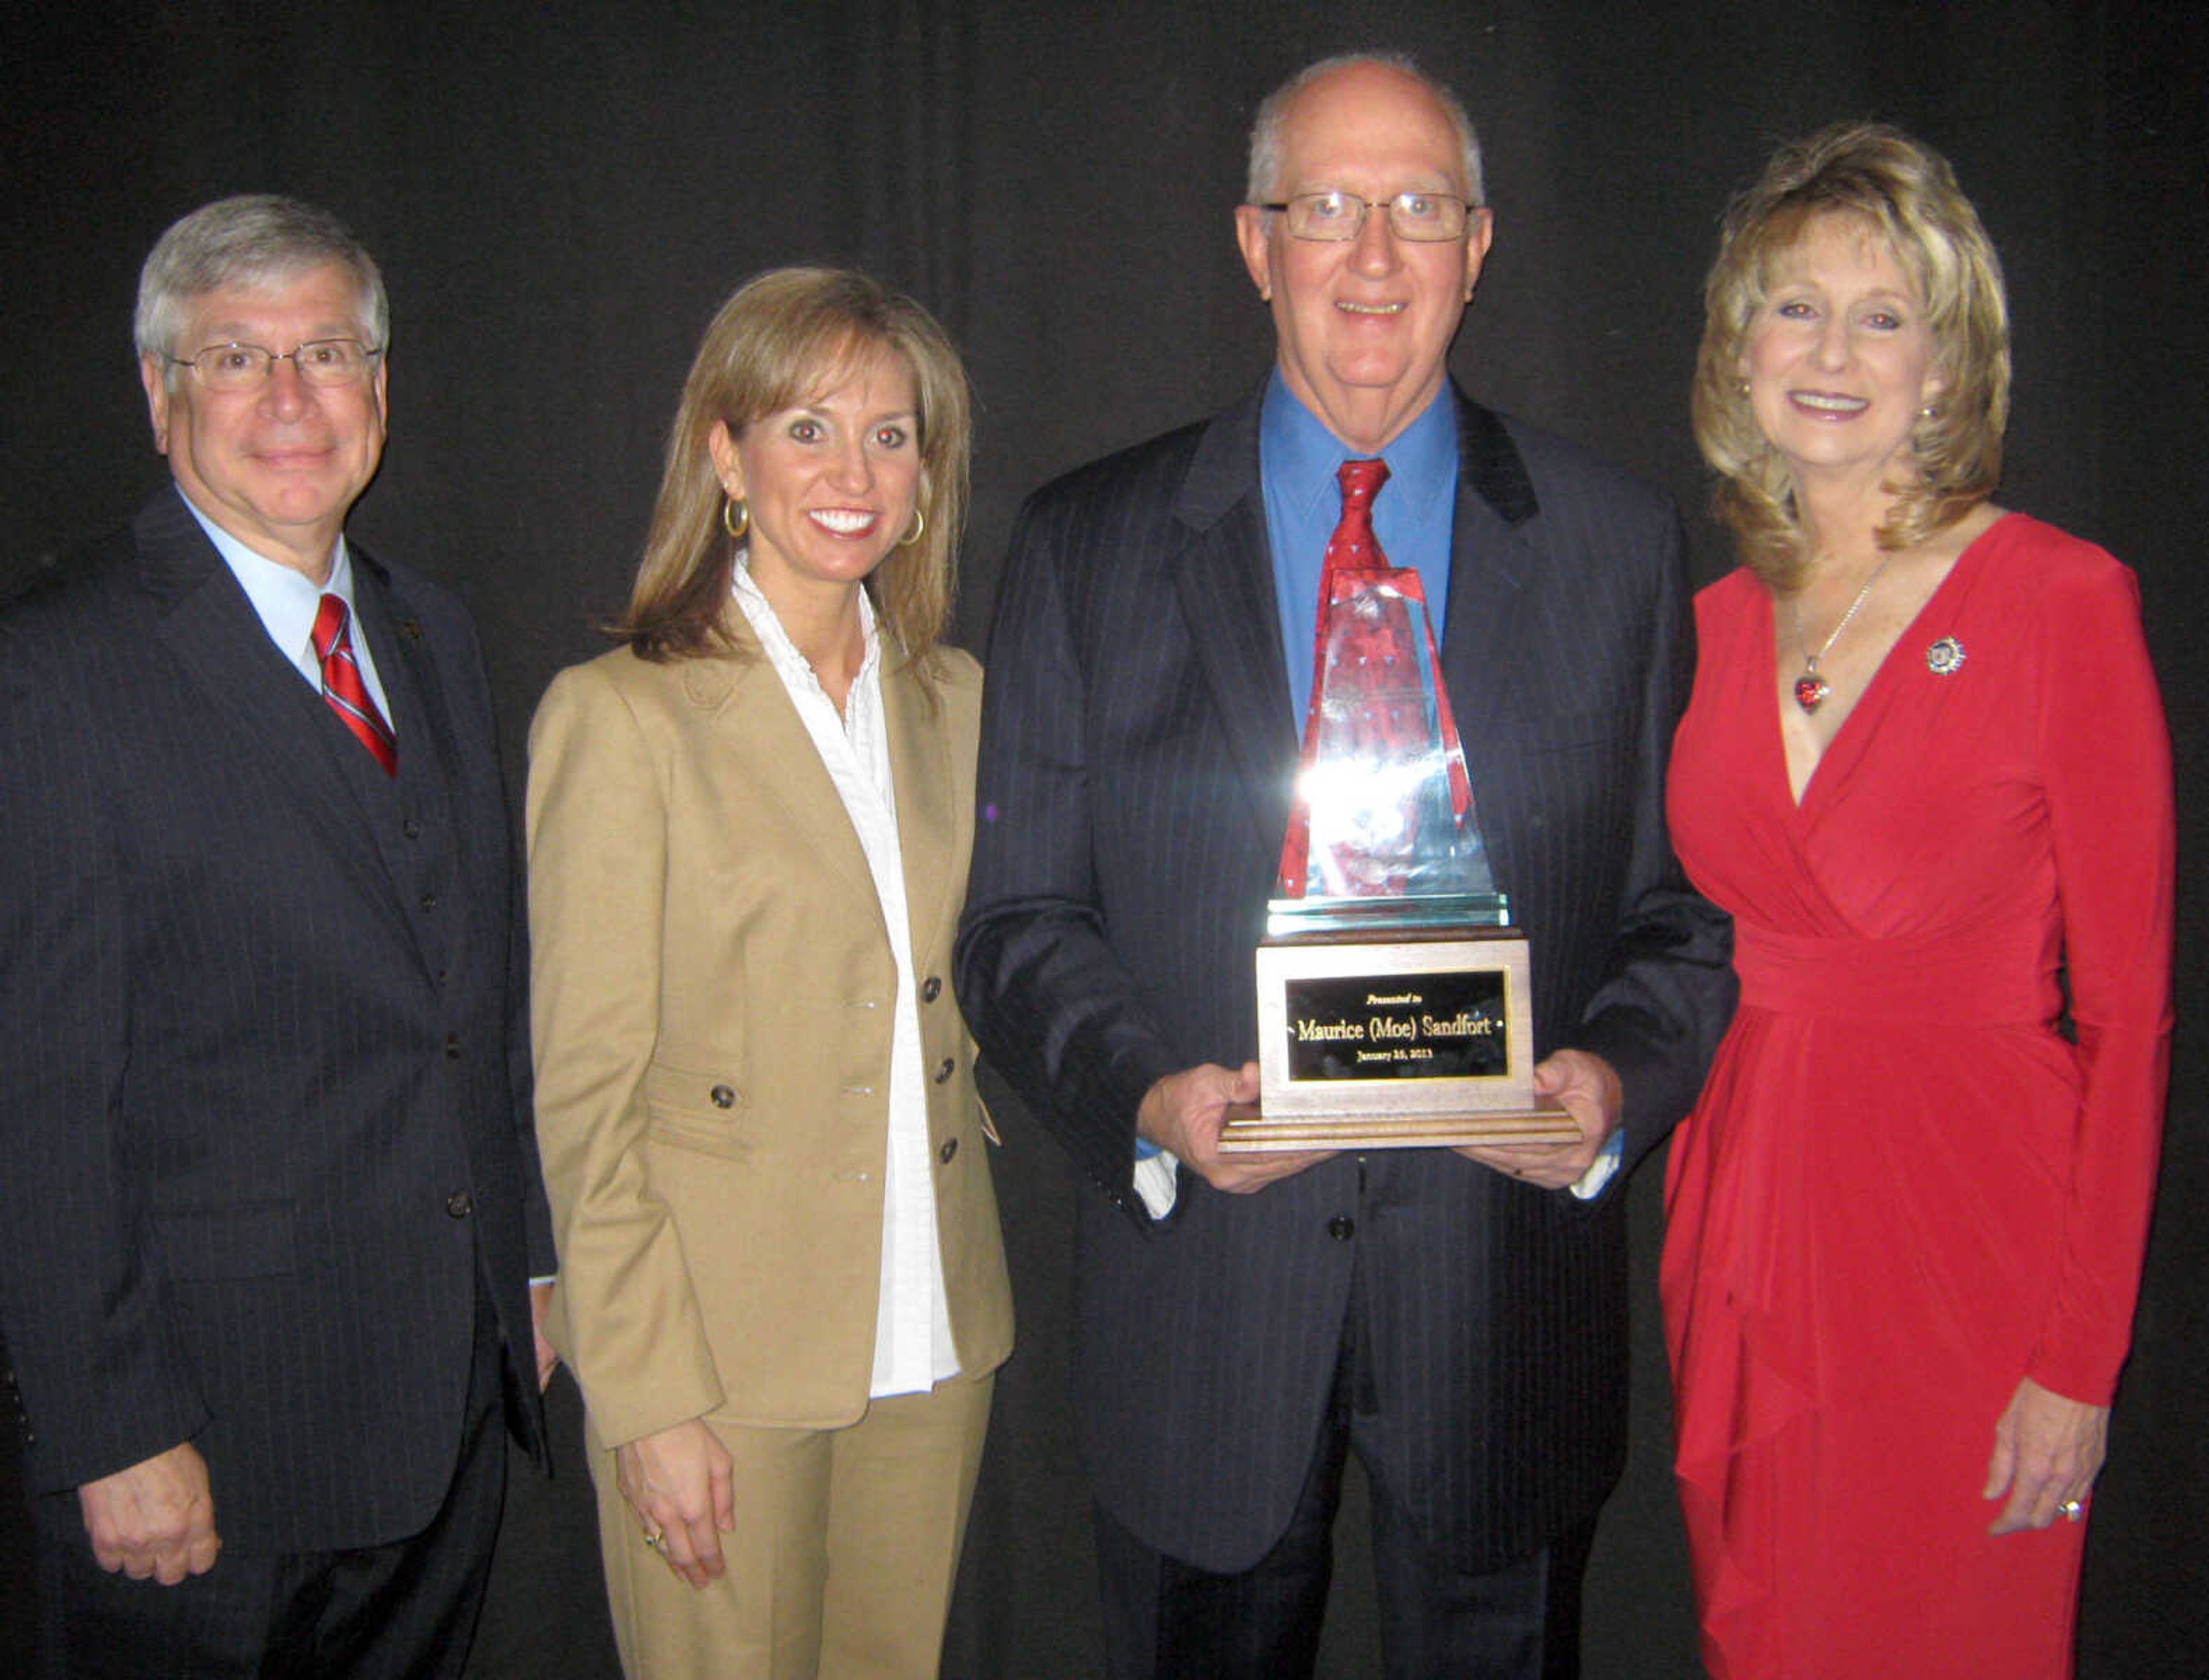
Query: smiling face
[
  {"x": 1840, "y": 359},
  {"x": 1364, "y": 326},
  {"x": 277, "y": 467},
  {"x": 831, "y": 482}
]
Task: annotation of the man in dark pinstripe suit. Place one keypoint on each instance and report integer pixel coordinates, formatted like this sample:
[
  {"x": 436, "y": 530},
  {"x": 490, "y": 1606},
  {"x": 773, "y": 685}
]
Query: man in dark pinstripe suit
[
  {"x": 1457, "y": 1319},
  {"x": 271, "y": 1205}
]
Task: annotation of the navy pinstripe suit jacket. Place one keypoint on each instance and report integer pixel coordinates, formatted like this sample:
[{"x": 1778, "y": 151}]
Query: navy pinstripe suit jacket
[
  {"x": 1137, "y": 752},
  {"x": 267, "y": 1098}
]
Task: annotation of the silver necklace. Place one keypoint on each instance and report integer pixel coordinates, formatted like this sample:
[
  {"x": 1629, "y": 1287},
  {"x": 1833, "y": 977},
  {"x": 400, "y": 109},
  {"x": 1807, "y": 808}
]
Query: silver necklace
[{"x": 1811, "y": 689}]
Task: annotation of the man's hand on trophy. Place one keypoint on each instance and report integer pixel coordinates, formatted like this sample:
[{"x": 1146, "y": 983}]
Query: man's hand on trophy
[
  {"x": 1182, "y": 1114},
  {"x": 1590, "y": 1093}
]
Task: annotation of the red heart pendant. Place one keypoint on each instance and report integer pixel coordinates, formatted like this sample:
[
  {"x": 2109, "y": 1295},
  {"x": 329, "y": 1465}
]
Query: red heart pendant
[{"x": 1810, "y": 689}]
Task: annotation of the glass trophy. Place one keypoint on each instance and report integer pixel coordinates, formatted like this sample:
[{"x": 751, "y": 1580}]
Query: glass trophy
[{"x": 1394, "y": 1002}]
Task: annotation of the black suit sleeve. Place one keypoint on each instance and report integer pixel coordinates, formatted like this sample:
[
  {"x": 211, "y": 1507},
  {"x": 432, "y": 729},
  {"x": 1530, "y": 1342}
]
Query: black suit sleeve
[
  {"x": 1669, "y": 992},
  {"x": 83, "y": 1304},
  {"x": 536, "y": 1210},
  {"x": 1048, "y": 1001}
]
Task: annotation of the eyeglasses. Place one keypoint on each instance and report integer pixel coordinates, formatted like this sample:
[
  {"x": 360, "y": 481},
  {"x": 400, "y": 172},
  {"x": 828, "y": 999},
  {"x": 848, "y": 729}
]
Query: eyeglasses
[
  {"x": 246, "y": 367},
  {"x": 1430, "y": 216}
]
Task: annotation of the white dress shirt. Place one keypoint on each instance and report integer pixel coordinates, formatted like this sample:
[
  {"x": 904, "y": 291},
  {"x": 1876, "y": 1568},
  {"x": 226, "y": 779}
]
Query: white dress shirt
[{"x": 913, "y": 1349}]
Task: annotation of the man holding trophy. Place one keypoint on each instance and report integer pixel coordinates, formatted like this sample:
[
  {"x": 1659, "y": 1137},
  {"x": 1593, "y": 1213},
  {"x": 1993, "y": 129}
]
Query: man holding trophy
[{"x": 1354, "y": 668}]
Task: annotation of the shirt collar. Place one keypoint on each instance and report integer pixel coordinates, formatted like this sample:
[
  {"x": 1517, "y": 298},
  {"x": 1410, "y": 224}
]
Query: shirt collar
[
  {"x": 1422, "y": 458},
  {"x": 284, "y": 598},
  {"x": 775, "y": 640}
]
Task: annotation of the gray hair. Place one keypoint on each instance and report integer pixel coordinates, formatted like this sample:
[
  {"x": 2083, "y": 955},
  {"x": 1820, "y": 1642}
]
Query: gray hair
[
  {"x": 251, "y": 241},
  {"x": 1266, "y": 129}
]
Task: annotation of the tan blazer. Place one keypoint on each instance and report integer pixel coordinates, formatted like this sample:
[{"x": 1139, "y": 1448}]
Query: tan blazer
[{"x": 713, "y": 997}]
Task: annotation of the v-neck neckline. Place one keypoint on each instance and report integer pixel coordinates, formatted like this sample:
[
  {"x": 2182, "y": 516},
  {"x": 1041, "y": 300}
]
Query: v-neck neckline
[{"x": 1967, "y": 560}]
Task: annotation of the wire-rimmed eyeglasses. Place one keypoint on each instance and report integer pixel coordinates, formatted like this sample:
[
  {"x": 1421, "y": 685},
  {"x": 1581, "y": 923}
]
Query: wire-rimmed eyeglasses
[
  {"x": 1429, "y": 216},
  {"x": 246, "y": 367}
]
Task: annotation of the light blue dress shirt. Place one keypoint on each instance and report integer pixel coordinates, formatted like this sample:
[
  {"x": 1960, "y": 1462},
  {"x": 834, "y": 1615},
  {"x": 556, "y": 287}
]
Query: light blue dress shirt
[{"x": 287, "y": 601}]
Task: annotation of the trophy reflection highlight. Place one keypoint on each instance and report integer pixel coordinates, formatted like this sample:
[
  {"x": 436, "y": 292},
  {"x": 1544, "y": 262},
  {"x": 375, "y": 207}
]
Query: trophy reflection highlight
[{"x": 1394, "y": 1002}]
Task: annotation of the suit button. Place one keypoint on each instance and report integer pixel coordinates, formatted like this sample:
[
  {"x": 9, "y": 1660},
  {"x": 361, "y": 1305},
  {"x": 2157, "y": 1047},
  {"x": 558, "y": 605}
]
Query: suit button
[
  {"x": 930, "y": 989},
  {"x": 950, "y": 1148},
  {"x": 429, "y": 902},
  {"x": 452, "y": 1046},
  {"x": 724, "y": 1097},
  {"x": 1342, "y": 1227},
  {"x": 943, "y": 1069},
  {"x": 411, "y": 829},
  {"x": 459, "y": 1204}
]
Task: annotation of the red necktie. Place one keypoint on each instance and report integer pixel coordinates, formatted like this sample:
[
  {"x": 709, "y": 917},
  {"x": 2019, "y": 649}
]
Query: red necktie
[
  {"x": 1375, "y": 688},
  {"x": 347, "y": 694}
]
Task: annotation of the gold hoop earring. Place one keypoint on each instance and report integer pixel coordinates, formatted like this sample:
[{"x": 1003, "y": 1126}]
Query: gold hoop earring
[
  {"x": 919, "y": 526},
  {"x": 736, "y": 517}
]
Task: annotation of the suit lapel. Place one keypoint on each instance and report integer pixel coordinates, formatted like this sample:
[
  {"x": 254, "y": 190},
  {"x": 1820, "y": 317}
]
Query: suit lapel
[
  {"x": 1486, "y": 636},
  {"x": 429, "y": 772},
  {"x": 421, "y": 715},
  {"x": 927, "y": 823},
  {"x": 1223, "y": 579},
  {"x": 256, "y": 701},
  {"x": 751, "y": 717},
  {"x": 1488, "y": 557}
]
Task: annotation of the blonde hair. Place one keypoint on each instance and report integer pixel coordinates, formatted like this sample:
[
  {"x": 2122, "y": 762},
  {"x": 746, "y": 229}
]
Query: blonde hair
[
  {"x": 1905, "y": 193},
  {"x": 785, "y": 336}
]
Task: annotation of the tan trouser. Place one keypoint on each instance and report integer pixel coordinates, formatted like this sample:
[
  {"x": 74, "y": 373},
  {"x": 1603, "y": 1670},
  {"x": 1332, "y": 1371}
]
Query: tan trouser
[{"x": 841, "y": 1564}]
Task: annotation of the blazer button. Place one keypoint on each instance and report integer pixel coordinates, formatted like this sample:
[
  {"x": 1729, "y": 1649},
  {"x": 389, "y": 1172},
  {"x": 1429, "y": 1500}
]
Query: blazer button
[
  {"x": 943, "y": 1069},
  {"x": 724, "y": 1097},
  {"x": 452, "y": 1046},
  {"x": 950, "y": 1148},
  {"x": 411, "y": 829},
  {"x": 930, "y": 989},
  {"x": 1342, "y": 1227},
  {"x": 429, "y": 902},
  {"x": 459, "y": 1204}
]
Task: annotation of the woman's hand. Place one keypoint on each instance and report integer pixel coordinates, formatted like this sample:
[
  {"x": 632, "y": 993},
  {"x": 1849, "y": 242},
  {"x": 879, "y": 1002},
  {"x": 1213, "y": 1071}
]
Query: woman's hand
[
  {"x": 2047, "y": 1450},
  {"x": 679, "y": 1482}
]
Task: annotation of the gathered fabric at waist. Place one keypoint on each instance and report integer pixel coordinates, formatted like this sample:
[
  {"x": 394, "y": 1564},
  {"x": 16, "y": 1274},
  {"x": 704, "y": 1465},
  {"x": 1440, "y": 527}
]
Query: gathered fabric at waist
[{"x": 2000, "y": 973}]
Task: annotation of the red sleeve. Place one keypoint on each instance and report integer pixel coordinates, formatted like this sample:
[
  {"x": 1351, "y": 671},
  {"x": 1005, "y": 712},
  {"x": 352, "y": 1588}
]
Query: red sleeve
[{"x": 2105, "y": 756}]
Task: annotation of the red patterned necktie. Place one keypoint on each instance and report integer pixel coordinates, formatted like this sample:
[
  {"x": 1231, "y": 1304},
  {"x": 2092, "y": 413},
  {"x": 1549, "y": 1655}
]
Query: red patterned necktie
[
  {"x": 347, "y": 694},
  {"x": 1374, "y": 691}
]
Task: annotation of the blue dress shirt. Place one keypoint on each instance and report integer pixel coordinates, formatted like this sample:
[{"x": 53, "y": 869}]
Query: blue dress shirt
[{"x": 1412, "y": 515}]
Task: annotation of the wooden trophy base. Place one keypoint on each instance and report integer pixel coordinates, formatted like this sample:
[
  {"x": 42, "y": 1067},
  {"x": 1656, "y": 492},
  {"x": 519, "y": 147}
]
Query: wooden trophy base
[{"x": 1249, "y": 1130}]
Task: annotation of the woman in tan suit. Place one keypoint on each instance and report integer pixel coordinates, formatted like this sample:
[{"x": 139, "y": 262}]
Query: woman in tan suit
[{"x": 782, "y": 1286}]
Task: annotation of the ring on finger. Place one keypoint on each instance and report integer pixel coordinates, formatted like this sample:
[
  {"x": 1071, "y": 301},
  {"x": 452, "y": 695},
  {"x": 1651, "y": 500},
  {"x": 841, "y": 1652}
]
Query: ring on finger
[
  {"x": 2071, "y": 1511},
  {"x": 654, "y": 1537}
]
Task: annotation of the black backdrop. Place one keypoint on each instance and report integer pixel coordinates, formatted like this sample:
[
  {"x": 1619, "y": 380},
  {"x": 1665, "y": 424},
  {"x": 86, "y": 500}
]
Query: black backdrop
[{"x": 561, "y": 195}]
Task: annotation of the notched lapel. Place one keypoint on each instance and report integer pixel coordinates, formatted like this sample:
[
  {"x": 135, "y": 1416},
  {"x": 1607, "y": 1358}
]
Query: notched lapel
[
  {"x": 421, "y": 715},
  {"x": 430, "y": 777},
  {"x": 750, "y": 716},
  {"x": 253, "y": 692},
  {"x": 1483, "y": 643},
  {"x": 927, "y": 795},
  {"x": 1223, "y": 579}
]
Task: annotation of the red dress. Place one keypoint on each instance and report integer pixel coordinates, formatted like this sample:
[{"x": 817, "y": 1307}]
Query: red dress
[{"x": 1902, "y": 1190}]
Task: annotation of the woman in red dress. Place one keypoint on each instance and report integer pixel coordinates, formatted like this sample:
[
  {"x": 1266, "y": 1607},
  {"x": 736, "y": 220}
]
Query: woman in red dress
[{"x": 1925, "y": 768}]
